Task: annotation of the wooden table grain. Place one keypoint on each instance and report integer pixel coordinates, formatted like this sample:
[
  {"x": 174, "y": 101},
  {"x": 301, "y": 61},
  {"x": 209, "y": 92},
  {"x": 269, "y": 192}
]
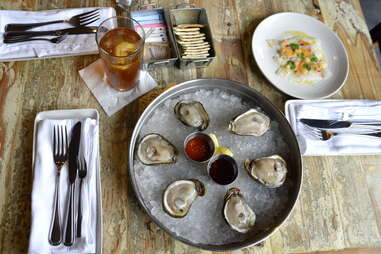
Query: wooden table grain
[{"x": 340, "y": 202}]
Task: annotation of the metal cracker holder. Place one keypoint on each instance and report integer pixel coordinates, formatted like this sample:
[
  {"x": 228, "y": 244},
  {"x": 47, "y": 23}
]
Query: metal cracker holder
[
  {"x": 180, "y": 16},
  {"x": 176, "y": 17}
]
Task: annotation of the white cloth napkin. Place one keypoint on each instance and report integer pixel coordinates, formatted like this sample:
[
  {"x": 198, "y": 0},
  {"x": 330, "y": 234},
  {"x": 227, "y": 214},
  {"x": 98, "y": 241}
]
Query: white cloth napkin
[
  {"x": 44, "y": 184},
  {"x": 110, "y": 99},
  {"x": 343, "y": 144},
  {"x": 81, "y": 44}
]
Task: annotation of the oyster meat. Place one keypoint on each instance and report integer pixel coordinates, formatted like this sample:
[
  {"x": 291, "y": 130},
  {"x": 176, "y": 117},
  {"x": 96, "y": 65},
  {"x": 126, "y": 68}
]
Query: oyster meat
[
  {"x": 155, "y": 149},
  {"x": 237, "y": 212},
  {"x": 180, "y": 195},
  {"x": 193, "y": 114},
  {"x": 250, "y": 123},
  {"x": 270, "y": 171}
]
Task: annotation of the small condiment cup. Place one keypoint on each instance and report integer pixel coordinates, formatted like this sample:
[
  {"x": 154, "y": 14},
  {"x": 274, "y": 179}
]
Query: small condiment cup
[
  {"x": 222, "y": 169},
  {"x": 200, "y": 136}
]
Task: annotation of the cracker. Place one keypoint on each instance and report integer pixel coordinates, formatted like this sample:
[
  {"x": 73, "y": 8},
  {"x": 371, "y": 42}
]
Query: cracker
[
  {"x": 183, "y": 36},
  {"x": 197, "y": 47},
  {"x": 192, "y": 39},
  {"x": 195, "y": 53},
  {"x": 195, "y": 56},
  {"x": 195, "y": 50},
  {"x": 190, "y": 26},
  {"x": 193, "y": 44},
  {"x": 186, "y": 29},
  {"x": 187, "y": 33}
]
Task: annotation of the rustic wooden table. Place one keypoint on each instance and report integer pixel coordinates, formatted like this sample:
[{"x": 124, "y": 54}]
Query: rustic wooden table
[{"x": 340, "y": 202}]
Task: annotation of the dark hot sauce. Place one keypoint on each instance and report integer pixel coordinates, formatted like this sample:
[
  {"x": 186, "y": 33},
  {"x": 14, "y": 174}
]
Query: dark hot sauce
[
  {"x": 199, "y": 149},
  {"x": 223, "y": 171}
]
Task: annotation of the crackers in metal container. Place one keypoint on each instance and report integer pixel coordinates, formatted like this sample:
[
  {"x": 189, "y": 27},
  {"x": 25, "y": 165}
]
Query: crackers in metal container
[{"x": 192, "y": 41}]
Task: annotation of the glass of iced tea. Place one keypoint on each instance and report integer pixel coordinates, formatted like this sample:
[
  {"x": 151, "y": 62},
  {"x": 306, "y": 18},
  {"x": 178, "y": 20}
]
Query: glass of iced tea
[{"x": 121, "y": 44}]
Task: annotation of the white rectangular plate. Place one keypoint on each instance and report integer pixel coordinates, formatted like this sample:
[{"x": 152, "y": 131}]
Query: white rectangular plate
[{"x": 77, "y": 114}]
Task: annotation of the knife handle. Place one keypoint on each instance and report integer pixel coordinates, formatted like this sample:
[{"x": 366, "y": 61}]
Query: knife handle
[
  {"x": 367, "y": 125},
  {"x": 55, "y": 227},
  {"x": 32, "y": 33},
  {"x": 79, "y": 219},
  {"x": 24, "y": 27},
  {"x": 69, "y": 227}
]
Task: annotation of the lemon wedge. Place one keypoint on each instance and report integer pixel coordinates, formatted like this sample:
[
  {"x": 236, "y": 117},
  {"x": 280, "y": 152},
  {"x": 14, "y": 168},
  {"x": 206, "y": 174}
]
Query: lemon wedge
[
  {"x": 125, "y": 48},
  {"x": 223, "y": 150},
  {"x": 214, "y": 139},
  {"x": 219, "y": 149}
]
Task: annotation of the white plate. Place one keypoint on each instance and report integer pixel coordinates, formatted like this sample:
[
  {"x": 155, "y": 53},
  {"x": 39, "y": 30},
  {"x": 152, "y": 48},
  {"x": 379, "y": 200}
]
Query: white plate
[
  {"x": 76, "y": 114},
  {"x": 273, "y": 27}
]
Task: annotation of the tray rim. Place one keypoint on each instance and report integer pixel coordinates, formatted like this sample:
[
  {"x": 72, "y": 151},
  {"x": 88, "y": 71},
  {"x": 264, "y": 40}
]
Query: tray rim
[
  {"x": 82, "y": 114},
  {"x": 180, "y": 88}
]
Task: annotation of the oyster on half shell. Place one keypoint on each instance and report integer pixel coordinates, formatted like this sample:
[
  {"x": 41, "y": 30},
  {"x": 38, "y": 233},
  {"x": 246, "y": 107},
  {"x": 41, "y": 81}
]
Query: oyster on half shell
[
  {"x": 250, "y": 123},
  {"x": 237, "y": 212},
  {"x": 270, "y": 171},
  {"x": 155, "y": 149},
  {"x": 179, "y": 196},
  {"x": 193, "y": 114}
]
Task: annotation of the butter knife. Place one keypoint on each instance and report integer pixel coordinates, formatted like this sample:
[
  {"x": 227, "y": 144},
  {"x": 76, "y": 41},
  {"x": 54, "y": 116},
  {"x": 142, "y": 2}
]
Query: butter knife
[
  {"x": 28, "y": 34},
  {"x": 335, "y": 124},
  {"x": 73, "y": 166}
]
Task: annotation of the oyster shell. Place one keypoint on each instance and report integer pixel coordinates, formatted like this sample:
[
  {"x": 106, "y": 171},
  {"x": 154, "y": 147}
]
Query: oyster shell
[
  {"x": 237, "y": 212},
  {"x": 193, "y": 114},
  {"x": 155, "y": 149},
  {"x": 270, "y": 171},
  {"x": 250, "y": 123},
  {"x": 180, "y": 195}
]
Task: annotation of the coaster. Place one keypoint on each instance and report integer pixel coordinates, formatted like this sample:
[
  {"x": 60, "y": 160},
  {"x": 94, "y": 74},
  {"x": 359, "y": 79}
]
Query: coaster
[{"x": 110, "y": 99}]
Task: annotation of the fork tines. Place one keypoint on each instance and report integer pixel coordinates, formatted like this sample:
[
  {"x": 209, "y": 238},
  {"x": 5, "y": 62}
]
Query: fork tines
[
  {"x": 60, "y": 143},
  {"x": 88, "y": 17}
]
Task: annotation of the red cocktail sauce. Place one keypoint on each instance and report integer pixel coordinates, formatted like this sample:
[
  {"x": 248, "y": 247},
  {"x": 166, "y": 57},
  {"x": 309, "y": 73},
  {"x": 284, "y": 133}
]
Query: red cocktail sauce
[{"x": 198, "y": 149}]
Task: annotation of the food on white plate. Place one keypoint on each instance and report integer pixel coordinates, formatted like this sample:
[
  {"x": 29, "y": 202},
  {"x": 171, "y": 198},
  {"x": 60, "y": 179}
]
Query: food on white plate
[{"x": 299, "y": 57}]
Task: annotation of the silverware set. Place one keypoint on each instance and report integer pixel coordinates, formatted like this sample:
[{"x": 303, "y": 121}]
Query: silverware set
[
  {"x": 326, "y": 129},
  {"x": 15, "y": 33},
  {"x": 63, "y": 153}
]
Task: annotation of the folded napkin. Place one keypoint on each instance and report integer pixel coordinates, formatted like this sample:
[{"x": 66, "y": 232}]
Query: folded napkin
[
  {"x": 343, "y": 144},
  {"x": 110, "y": 99},
  {"x": 81, "y": 44},
  {"x": 43, "y": 189}
]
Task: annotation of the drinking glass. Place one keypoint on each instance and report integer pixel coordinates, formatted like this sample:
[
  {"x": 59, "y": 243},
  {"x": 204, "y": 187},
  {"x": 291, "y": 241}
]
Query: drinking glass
[{"x": 120, "y": 42}]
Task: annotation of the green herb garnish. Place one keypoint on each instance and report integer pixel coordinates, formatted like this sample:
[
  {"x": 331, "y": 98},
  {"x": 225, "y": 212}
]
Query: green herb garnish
[
  {"x": 307, "y": 67},
  {"x": 291, "y": 64},
  {"x": 314, "y": 59},
  {"x": 301, "y": 56},
  {"x": 294, "y": 46}
]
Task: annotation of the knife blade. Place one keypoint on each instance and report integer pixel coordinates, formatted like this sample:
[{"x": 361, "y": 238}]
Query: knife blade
[
  {"x": 336, "y": 124},
  {"x": 73, "y": 166},
  {"x": 73, "y": 151},
  {"x": 73, "y": 30}
]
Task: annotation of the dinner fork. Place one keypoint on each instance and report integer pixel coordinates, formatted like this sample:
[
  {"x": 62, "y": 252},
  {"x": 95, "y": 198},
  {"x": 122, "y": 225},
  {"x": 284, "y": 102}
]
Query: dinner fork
[
  {"x": 325, "y": 135},
  {"x": 82, "y": 172},
  {"x": 60, "y": 156},
  {"x": 57, "y": 39},
  {"x": 82, "y": 19}
]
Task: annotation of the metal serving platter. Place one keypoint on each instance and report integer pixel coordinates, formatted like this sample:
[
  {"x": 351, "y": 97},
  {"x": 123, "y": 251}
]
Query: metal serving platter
[{"x": 248, "y": 94}]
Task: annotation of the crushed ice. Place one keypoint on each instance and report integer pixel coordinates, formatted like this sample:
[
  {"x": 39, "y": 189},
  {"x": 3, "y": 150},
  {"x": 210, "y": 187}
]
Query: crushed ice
[{"x": 204, "y": 223}]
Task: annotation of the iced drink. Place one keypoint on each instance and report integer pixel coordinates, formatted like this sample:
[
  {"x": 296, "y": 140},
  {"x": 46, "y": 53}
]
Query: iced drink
[{"x": 121, "y": 48}]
